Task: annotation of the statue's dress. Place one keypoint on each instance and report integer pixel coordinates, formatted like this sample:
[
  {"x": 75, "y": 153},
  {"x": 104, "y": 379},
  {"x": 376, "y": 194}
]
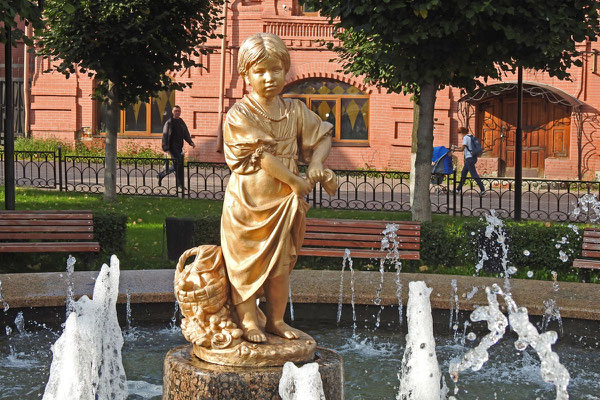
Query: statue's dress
[{"x": 263, "y": 221}]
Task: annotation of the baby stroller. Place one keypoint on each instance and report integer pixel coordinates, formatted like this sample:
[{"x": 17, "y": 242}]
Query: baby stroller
[{"x": 441, "y": 165}]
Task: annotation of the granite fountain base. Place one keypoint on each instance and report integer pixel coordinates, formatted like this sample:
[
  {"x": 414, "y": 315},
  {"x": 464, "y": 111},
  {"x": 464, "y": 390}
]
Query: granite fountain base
[{"x": 186, "y": 377}]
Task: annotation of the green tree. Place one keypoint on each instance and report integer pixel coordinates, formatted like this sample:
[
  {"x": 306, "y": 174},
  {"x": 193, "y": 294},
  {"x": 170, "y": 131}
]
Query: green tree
[
  {"x": 420, "y": 46},
  {"x": 128, "y": 47},
  {"x": 13, "y": 10}
]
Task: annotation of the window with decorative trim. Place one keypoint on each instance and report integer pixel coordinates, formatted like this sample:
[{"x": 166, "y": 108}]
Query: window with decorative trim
[
  {"x": 340, "y": 103},
  {"x": 306, "y": 10},
  {"x": 142, "y": 118}
]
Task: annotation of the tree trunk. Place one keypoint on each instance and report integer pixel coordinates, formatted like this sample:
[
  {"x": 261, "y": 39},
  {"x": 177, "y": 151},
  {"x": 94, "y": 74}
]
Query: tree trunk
[
  {"x": 110, "y": 145},
  {"x": 421, "y": 153}
]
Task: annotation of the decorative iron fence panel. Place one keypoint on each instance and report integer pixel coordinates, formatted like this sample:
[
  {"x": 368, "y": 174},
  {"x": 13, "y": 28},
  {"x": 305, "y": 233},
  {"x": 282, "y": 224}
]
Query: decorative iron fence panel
[
  {"x": 207, "y": 180},
  {"x": 541, "y": 199},
  {"x": 35, "y": 168},
  {"x": 135, "y": 176},
  {"x": 358, "y": 190}
]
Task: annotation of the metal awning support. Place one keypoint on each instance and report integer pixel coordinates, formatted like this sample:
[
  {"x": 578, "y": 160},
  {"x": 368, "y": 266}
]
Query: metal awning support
[{"x": 534, "y": 89}]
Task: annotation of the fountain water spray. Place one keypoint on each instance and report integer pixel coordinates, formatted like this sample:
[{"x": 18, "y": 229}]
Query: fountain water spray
[
  {"x": 420, "y": 374},
  {"x": 552, "y": 370},
  {"x": 302, "y": 383},
  {"x": 5, "y": 305},
  {"x": 70, "y": 296},
  {"x": 454, "y": 309},
  {"x": 347, "y": 259},
  {"x": 393, "y": 255},
  {"x": 86, "y": 363},
  {"x": 290, "y": 301},
  {"x": 589, "y": 205}
]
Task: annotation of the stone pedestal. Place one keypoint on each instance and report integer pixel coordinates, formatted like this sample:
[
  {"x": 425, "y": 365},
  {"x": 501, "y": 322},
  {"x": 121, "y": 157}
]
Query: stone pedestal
[{"x": 188, "y": 378}]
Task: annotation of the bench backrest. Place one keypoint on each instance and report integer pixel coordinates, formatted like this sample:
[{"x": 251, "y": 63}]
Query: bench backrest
[
  {"x": 330, "y": 238},
  {"x": 46, "y": 225},
  {"x": 591, "y": 243}
]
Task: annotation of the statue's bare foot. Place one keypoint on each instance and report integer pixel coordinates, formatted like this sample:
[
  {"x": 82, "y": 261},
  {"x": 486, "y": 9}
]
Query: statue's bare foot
[
  {"x": 254, "y": 334},
  {"x": 282, "y": 329}
]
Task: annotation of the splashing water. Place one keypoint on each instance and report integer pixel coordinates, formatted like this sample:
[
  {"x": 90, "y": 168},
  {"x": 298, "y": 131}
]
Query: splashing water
[
  {"x": 551, "y": 313},
  {"x": 496, "y": 323},
  {"x": 86, "y": 363},
  {"x": 5, "y": 305},
  {"x": 454, "y": 309},
  {"x": 70, "y": 295},
  {"x": 555, "y": 284},
  {"x": 563, "y": 256},
  {"x": 173, "y": 323},
  {"x": 389, "y": 243},
  {"x": 290, "y": 301},
  {"x": 128, "y": 310},
  {"x": 496, "y": 226},
  {"x": 20, "y": 323},
  {"x": 589, "y": 205},
  {"x": 552, "y": 370},
  {"x": 345, "y": 260},
  {"x": 472, "y": 293}
]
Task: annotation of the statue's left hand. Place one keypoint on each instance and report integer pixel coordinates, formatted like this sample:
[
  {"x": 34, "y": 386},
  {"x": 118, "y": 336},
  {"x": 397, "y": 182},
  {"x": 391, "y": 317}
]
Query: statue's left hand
[{"x": 316, "y": 173}]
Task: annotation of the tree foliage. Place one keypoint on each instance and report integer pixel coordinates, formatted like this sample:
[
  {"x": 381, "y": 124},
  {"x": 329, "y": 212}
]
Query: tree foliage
[
  {"x": 400, "y": 45},
  {"x": 129, "y": 48},
  {"x": 13, "y": 10},
  {"x": 135, "y": 44},
  {"x": 420, "y": 46}
]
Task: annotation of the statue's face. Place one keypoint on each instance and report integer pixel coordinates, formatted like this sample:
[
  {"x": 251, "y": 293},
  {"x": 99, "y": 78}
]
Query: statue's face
[{"x": 267, "y": 77}]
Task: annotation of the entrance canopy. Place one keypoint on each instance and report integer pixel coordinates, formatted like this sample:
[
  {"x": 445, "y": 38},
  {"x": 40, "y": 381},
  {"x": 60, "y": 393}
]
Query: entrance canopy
[{"x": 534, "y": 89}]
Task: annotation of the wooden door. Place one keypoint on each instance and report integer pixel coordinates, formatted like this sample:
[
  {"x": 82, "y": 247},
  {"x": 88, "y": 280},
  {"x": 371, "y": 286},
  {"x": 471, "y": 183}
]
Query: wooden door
[
  {"x": 535, "y": 117},
  {"x": 546, "y": 128}
]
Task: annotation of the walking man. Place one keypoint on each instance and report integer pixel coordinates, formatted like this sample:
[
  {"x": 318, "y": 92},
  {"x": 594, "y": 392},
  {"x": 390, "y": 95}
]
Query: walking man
[
  {"x": 175, "y": 131},
  {"x": 472, "y": 150}
]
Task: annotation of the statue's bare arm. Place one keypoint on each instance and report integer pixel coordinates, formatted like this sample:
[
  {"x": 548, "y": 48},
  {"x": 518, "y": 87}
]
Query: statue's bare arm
[{"x": 274, "y": 167}]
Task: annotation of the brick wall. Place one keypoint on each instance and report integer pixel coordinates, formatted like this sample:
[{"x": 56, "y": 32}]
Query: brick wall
[{"x": 62, "y": 106}]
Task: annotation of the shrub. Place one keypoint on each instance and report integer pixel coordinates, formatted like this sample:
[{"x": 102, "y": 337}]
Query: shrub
[
  {"x": 94, "y": 149},
  {"x": 454, "y": 247},
  {"x": 109, "y": 230},
  {"x": 207, "y": 230}
]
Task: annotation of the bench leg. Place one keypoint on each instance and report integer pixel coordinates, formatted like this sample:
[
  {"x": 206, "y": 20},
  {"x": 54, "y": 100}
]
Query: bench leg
[{"x": 584, "y": 275}]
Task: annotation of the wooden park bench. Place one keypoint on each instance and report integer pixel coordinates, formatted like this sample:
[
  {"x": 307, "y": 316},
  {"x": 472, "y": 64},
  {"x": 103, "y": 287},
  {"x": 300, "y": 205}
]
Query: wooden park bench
[
  {"x": 331, "y": 238},
  {"x": 590, "y": 249},
  {"x": 47, "y": 232}
]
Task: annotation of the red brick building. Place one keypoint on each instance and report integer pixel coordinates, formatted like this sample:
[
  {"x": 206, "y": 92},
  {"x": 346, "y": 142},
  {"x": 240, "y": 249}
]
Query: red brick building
[{"x": 373, "y": 127}]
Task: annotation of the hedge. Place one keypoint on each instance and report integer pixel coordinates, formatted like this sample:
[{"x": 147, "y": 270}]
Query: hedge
[
  {"x": 109, "y": 231},
  {"x": 532, "y": 246}
]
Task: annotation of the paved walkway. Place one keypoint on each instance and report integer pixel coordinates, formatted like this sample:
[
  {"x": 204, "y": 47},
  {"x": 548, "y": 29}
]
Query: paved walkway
[{"x": 575, "y": 300}]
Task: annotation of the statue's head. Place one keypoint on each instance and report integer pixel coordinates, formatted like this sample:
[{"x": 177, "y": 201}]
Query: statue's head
[{"x": 259, "y": 47}]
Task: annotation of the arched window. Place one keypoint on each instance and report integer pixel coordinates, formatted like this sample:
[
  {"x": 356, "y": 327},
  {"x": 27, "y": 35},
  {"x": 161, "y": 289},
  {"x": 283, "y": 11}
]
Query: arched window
[
  {"x": 345, "y": 106},
  {"x": 142, "y": 118}
]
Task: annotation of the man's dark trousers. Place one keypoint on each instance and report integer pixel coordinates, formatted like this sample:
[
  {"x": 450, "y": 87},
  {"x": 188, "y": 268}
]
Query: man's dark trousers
[
  {"x": 469, "y": 167},
  {"x": 177, "y": 167}
]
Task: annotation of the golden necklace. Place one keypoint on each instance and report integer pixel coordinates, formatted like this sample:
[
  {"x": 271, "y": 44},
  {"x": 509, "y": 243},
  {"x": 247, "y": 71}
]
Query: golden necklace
[{"x": 261, "y": 111}]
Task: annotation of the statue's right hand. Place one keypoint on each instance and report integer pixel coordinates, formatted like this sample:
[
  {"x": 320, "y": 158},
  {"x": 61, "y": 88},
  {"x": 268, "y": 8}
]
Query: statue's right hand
[{"x": 301, "y": 186}]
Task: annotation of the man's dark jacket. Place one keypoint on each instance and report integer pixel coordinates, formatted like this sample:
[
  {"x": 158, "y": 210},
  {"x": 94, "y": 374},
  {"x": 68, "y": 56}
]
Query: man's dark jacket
[{"x": 168, "y": 131}]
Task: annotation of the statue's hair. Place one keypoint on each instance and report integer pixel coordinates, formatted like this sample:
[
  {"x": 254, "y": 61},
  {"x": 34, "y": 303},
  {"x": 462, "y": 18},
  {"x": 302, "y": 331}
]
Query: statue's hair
[{"x": 258, "y": 47}]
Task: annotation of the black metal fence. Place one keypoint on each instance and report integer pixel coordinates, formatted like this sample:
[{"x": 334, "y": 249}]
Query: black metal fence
[{"x": 358, "y": 190}]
